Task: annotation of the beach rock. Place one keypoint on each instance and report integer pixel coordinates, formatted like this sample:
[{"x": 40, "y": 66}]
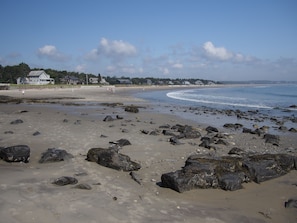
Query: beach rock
[
  {"x": 206, "y": 141},
  {"x": 291, "y": 203},
  {"x": 273, "y": 139},
  {"x": 108, "y": 118},
  {"x": 17, "y": 121},
  {"x": 227, "y": 172},
  {"x": 292, "y": 130},
  {"x": 36, "y": 133},
  {"x": 236, "y": 151},
  {"x": 188, "y": 132},
  {"x": 210, "y": 129},
  {"x": 167, "y": 132},
  {"x": 62, "y": 181},
  {"x": 268, "y": 166},
  {"x": 112, "y": 159},
  {"x": 83, "y": 186},
  {"x": 190, "y": 177},
  {"x": 167, "y": 126},
  {"x": 55, "y": 155},
  {"x": 93, "y": 154},
  {"x": 175, "y": 141},
  {"x": 132, "y": 109},
  {"x": 233, "y": 126},
  {"x": 231, "y": 181},
  {"x": 121, "y": 142},
  {"x": 18, "y": 153}
]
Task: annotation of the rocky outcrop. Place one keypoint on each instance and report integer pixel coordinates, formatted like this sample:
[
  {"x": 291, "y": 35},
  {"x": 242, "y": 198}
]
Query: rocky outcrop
[
  {"x": 18, "y": 153},
  {"x": 229, "y": 172},
  {"x": 54, "y": 155},
  {"x": 112, "y": 159}
]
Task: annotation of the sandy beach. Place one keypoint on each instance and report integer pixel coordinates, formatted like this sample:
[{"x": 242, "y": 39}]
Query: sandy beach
[{"x": 73, "y": 121}]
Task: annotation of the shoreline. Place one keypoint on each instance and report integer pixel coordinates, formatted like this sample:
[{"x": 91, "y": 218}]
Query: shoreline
[{"x": 28, "y": 195}]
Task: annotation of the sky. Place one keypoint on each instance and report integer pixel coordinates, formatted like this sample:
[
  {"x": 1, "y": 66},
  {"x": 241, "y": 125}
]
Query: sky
[{"x": 219, "y": 40}]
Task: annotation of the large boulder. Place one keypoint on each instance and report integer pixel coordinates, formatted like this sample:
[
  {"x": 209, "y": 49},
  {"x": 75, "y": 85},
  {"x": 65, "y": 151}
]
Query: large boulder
[
  {"x": 268, "y": 166},
  {"x": 18, "y": 153},
  {"x": 228, "y": 172},
  {"x": 112, "y": 159},
  {"x": 54, "y": 155}
]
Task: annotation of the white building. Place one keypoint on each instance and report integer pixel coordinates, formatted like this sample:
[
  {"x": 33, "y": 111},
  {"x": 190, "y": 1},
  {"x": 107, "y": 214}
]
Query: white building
[
  {"x": 40, "y": 77},
  {"x": 36, "y": 77}
]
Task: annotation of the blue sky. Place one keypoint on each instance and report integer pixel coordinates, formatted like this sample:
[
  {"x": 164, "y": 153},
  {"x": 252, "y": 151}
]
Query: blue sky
[{"x": 208, "y": 39}]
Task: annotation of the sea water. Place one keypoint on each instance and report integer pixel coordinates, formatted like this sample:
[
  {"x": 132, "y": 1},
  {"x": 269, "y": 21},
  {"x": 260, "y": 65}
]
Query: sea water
[{"x": 275, "y": 100}]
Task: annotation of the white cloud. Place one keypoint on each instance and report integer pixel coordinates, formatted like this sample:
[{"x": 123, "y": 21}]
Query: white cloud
[
  {"x": 178, "y": 65},
  {"x": 50, "y": 52},
  {"x": 116, "y": 48},
  {"x": 216, "y": 52}
]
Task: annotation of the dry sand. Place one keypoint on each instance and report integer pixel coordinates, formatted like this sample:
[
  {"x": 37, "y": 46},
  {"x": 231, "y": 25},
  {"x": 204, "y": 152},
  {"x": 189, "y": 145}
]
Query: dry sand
[{"x": 28, "y": 195}]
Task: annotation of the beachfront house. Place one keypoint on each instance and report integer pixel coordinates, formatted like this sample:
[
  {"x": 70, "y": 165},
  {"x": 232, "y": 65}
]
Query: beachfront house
[
  {"x": 123, "y": 81},
  {"x": 38, "y": 77}
]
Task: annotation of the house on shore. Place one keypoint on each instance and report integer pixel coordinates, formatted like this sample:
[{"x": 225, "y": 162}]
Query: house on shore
[
  {"x": 36, "y": 77},
  {"x": 124, "y": 81},
  {"x": 71, "y": 80}
]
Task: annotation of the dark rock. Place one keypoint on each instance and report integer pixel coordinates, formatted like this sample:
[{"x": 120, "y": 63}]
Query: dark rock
[
  {"x": 291, "y": 203},
  {"x": 233, "y": 126},
  {"x": 154, "y": 133},
  {"x": 36, "y": 133},
  {"x": 236, "y": 151},
  {"x": 112, "y": 159},
  {"x": 121, "y": 142},
  {"x": 18, "y": 153},
  {"x": 62, "y": 181},
  {"x": 206, "y": 141},
  {"x": 93, "y": 154},
  {"x": 228, "y": 172},
  {"x": 65, "y": 120},
  {"x": 273, "y": 139},
  {"x": 83, "y": 186},
  {"x": 77, "y": 122},
  {"x": 55, "y": 155},
  {"x": 188, "y": 132},
  {"x": 119, "y": 117},
  {"x": 268, "y": 166},
  {"x": 210, "y": 129},
  {"x": 108, "y": 118},
  {"x": 190, "y": 178},
  {"x": 231, "y": 181},
  {"x": 292, "y": 130},
  {"x": 222, "y": 142},
  {"x": 145, "y": 132},
  {"x": 167, "y": 132},
  {"x": 17, "y": 121},
  {"x": 8, "y": 132},
  {"x": 167, "y": 126},
  {"x": 132, "y": 109},
  {"x": 246, "y": 130},
  {"x": 174, "y": 141}
]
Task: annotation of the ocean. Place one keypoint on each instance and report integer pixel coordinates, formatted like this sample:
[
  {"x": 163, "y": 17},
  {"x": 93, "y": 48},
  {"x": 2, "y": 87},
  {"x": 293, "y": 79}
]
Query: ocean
[{"x": 275, "y": 100}]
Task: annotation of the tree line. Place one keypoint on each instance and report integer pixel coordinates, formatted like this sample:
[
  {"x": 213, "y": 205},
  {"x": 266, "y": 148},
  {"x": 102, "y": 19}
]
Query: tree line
[{"x": 10, "y": 74}]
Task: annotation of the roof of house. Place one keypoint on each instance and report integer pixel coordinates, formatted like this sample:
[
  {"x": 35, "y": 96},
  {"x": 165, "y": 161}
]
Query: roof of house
[{"x": 35, "y": 73}]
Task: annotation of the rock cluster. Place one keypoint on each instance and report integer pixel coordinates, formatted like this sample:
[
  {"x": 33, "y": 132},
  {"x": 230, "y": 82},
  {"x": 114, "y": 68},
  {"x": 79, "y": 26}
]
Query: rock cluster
[{"x": 228, "y": 172}]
